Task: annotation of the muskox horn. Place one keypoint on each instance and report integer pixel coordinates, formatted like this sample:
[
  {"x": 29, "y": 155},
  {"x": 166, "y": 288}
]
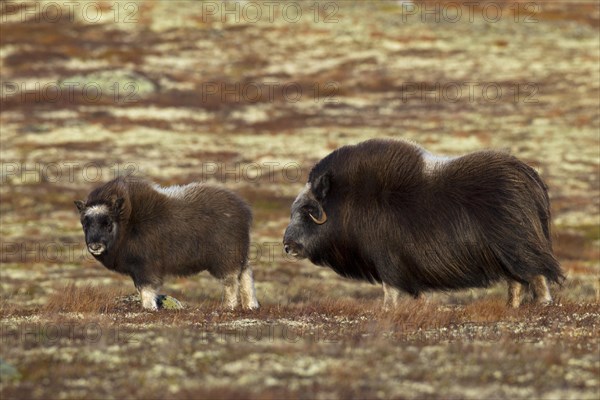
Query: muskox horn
[{"x": 319, "y": 221}]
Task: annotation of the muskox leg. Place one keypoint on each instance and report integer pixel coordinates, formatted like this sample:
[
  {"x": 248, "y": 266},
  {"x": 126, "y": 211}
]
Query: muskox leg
[
  {"x": 390, "y": 297},
  {"x": 231, "y": 285},
  {"x": 148, "y": 295},
  {"x": 541, "y": 293},
  {"x": 247, "y": 292},
  {"x": 514, "y": 294}
]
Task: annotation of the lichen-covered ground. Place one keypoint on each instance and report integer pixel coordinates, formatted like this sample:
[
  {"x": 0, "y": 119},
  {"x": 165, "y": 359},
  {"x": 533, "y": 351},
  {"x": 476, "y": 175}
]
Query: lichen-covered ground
[{"x": 213, "y": 91}]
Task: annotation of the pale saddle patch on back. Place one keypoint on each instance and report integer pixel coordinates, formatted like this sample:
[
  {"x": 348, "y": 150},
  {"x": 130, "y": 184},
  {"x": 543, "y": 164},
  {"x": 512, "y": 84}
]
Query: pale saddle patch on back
[
  {"x": 433, "y": 162},
  {"x": 175, "y": 191}
]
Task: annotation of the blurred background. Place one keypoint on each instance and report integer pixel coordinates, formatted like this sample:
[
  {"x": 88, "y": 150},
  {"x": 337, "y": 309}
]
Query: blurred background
[{"x": 250, "y": 94}]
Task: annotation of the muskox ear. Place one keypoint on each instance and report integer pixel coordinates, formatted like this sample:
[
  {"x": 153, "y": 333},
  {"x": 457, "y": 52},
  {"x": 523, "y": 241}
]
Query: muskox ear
[
  {"x": 320, "y": 186},
  {"x": 117, "y": 205},
  {"x": 80, "y": 205}
]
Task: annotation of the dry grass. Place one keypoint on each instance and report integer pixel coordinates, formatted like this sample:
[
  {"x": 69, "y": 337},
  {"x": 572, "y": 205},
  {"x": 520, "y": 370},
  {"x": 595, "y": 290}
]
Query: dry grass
[
  {"x": 86, "y": 298},
  {"x": 304, "y": 349}
]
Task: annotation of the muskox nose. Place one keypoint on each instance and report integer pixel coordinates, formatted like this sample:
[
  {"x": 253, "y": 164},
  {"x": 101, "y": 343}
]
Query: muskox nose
[
  {"x": 96, "y": 248},
  {"x": 292, "y": 248}
]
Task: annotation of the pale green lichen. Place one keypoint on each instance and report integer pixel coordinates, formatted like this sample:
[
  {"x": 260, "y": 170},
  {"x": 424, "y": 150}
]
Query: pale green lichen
[{"x": 169, "y": 303}]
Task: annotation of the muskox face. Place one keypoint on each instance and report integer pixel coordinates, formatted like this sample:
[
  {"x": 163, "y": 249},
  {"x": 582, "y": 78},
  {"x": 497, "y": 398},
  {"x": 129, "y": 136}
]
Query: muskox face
[
  {"x": 100, "y": 225},
  {"x": 308, "y": 220}
]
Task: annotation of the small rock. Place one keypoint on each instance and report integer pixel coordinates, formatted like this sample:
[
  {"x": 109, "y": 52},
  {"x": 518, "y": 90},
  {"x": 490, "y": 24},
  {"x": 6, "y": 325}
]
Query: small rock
[
  {"x": 8, "y": 372},
  {"x": 168, "y": 303}
]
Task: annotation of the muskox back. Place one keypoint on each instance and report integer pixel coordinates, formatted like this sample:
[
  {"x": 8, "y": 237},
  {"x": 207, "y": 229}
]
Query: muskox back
[
  {"x": 180, "y": 230},
  {"x": 418, "y": 222}
]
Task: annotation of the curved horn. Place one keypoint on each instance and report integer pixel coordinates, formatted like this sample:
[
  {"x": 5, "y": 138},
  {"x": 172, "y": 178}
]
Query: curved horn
[{"x": 319, "y": 221}]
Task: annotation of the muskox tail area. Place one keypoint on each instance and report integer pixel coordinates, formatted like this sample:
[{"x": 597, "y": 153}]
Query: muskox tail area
[
  {"x": 540, "y": 190},
  {"x": 530, "y": 254},
  {"x": 524, "y": 263}
]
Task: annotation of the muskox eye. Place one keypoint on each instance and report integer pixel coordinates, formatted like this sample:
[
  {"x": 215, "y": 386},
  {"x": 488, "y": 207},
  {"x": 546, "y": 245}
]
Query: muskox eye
[{"x": 307, "y": 209}]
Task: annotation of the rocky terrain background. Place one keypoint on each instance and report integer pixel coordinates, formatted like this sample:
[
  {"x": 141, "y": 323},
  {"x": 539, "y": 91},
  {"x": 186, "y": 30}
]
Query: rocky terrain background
[{"x": 250, "y": 95}]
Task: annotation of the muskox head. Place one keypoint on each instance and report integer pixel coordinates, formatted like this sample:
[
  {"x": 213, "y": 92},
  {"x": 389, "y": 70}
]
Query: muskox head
[
  {"x": 308, "y": 220},
  {"x": 100, "y": 224}
]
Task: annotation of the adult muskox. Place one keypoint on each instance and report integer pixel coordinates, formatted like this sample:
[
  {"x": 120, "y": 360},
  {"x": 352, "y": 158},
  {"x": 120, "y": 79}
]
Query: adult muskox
[
  {"x": 389, "y": 211},
  {"x": 140, "y": 229}
]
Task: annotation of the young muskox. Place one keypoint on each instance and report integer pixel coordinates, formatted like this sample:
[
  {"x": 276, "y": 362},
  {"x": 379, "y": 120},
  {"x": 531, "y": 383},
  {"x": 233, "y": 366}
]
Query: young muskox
[
  {"x": 389, "y": 211},
  {"x": 146, "y": 231}
]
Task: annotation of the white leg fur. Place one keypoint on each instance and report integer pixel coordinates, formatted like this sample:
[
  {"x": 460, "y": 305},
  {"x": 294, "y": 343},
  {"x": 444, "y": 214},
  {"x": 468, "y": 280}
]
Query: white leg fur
[
  {"x": 423, "y": 298},
  {"x": 541, "y": 293},
  {"x": 247, "y": 292},
  {"x": 231, "y": 285},
  {"x": 390, "y": 297},
  {"x": 148, "y": 296},
  {"x": 514, "y": 294}
]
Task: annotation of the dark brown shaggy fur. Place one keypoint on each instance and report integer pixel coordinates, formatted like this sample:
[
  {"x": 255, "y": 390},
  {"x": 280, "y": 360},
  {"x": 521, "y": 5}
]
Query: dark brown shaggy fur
[
  {"x": 168, "y": 231},
  {"x": 465, "y": 222}
]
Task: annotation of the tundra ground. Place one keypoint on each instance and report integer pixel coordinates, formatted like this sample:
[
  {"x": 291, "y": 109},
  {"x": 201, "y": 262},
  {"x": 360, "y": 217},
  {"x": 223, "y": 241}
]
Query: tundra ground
[{"x": 175, "y": 92}]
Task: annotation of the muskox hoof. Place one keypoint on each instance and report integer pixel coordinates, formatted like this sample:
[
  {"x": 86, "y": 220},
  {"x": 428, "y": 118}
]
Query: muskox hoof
[
  {"x": 513, "y": 305},
  {"x": 149, "y": 299},
  {"x": 541, "y": 293},
  {"x": 252, "y": 306}
]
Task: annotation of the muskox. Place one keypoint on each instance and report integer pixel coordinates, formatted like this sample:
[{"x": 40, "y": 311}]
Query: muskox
[
  {"x": 135, "y": 227},
  {"x": 389, "y": 211}
]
